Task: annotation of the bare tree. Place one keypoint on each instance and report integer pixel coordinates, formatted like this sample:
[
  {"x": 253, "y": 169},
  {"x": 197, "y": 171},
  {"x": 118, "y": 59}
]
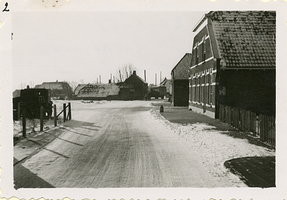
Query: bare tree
[
  {"x": 73, "y": 84},
  {"x": 124, "y": 72}
]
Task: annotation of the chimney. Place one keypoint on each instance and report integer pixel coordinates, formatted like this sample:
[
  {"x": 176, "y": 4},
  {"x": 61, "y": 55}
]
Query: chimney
[
  {"x": 144, "y": 75},
  {"x": 155, "y": 79},
  {"x": 134, "y": 72}
]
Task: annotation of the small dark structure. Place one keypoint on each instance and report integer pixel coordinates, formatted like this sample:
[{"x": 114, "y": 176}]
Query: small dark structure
[
  {"x": 161, "y": 108},
  {"x": 58, "y": 90},
  {"x": 133, "y": 88},
  {"x": 31, "y": 100},
  {"x": 180, "y": 82},
  {"x": 16, "y": 104},
  {"x": 157, "y": 91}
]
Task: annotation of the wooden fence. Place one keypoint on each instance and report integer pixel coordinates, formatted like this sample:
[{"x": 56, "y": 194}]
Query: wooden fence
[
  {"x": 248, "y": 121},
  {"x": 67, "y": 115}
]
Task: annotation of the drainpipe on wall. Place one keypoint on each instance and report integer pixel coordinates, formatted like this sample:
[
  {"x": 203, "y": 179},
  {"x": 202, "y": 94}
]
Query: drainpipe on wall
[{"x": 217, "y": 78}]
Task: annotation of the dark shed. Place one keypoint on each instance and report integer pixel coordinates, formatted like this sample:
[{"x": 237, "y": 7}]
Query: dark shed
[{"x": 180, "y": 82}]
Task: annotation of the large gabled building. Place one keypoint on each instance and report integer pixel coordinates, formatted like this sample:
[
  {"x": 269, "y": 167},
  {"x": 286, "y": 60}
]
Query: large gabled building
[{"x": 234, "y": 61}]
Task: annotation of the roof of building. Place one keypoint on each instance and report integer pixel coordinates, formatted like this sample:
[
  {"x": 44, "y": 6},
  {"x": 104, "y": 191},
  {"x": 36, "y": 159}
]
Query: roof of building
[
  {"x": 165, "y": 81},
  {"x": 180, "y": 71},
  {"x": 53, "y": 85},
  {"x": 132, "y": 76},
  {"x": 78, "y": 88},
  {"x": 245, "y": 39},
  {"x": 16, "y": 93},
  {"x": 98, "y": 90}
]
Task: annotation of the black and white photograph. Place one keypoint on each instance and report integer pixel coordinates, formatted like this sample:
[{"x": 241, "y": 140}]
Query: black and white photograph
[{"x": 142, "y": 101}]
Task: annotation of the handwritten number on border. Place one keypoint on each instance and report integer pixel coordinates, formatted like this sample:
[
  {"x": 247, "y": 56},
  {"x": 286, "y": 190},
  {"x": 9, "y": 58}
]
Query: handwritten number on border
[{"x": 6, "y": 8}]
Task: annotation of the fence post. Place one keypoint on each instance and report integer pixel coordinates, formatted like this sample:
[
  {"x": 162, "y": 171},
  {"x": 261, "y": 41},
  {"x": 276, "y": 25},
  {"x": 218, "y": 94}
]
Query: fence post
[
  {"x": 41, "y": 118},
  {"x": 24, "y": 121},
  {"x": 70, "y": 113},
  {"x": 55, "y": 115},
  {"x": 64, "y": 111},
  {"x": 19, "y": 111}
]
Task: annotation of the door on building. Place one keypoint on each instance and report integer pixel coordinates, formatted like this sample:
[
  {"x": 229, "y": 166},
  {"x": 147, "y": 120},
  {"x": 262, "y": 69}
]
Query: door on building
[{"x": 181, "y": 92}]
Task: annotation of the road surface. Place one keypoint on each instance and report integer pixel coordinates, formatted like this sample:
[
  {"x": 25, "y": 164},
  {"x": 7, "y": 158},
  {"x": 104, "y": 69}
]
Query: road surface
[{"x": 114, "y": 144}]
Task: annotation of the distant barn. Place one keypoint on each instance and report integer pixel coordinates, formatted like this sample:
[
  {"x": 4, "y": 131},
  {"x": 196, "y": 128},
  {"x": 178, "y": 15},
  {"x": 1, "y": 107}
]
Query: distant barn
[
  {"x": 168, "y": 84},
  {"x": 133, "y": 88},
  {"x": 97, "y": 91},
  {"x": 58, "y": 90}
]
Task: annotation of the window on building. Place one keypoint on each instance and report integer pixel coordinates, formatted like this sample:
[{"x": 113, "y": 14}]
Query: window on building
[
  {"x": 209, "y": 89},
  {"x": 196, "y": 54},
  {"x": 200, "y": 90},
  {"x": 190, "y": 89},
  {"x": 203, "y": 50},
  {"x": 195, "y": 90}
]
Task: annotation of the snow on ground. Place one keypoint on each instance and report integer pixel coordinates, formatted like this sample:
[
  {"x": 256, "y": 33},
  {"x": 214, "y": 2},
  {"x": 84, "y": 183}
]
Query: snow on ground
[
  {"x": 213, "y": 147},
  {"x": 33, "y": 125}
]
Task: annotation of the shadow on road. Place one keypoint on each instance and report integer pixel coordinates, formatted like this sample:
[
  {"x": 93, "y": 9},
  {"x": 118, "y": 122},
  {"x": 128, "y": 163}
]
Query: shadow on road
[
  {"x": 75, "y": 123},
  {"x": 27, "y": 147},
  {"x": 254, "y": 171},
  {"x": 24, "y": 178}
]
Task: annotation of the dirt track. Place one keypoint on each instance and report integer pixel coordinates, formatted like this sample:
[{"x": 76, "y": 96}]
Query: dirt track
[{"x": 117, "y": 144}]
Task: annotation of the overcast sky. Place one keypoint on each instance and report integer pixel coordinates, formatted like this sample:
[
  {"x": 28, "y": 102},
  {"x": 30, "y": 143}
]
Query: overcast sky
[{"x": 74, "y": 46}]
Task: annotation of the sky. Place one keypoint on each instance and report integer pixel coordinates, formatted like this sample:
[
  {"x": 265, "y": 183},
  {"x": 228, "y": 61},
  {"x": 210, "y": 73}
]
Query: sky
[{"x": 81, "y": 46}]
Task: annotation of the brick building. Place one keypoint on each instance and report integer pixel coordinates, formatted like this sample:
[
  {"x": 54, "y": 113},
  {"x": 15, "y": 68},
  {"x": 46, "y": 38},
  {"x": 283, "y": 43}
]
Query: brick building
[{"x": 233, "y": 62}]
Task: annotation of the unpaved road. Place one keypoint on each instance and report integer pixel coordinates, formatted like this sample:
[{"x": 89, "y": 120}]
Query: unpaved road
[{"x": 114, "y": 144}]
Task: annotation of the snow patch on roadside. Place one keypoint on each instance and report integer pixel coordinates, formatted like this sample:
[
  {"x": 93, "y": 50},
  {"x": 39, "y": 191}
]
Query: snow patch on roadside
[{"x": 214, "y": 147}]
